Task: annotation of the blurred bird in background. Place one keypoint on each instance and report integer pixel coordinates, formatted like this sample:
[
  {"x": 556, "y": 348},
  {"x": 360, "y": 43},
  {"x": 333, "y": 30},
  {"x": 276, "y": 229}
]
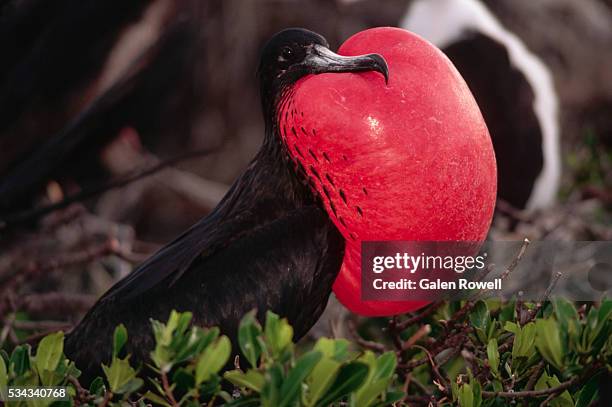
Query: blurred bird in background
[{"x": 513, "y": 87}]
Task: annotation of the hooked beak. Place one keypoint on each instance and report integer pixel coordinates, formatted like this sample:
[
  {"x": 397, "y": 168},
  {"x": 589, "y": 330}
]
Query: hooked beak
[{"x": 322, "y": 59}]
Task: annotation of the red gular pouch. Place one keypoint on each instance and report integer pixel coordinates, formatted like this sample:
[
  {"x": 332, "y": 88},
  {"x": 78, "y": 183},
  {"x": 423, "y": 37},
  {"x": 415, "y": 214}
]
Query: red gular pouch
[{"x": 410, "y": 159}]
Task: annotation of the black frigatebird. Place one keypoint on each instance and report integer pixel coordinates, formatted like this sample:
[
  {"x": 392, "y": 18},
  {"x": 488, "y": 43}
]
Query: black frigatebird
[{"x": 268, "y": 245}]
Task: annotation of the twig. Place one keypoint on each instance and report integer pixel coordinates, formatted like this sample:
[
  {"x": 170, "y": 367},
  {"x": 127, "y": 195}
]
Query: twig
[
  {"x": 412, "y": 380},
  {"x": 417, "y": 399},
  {"x": 461, "y": 313},
  {"x": 8, "y": 326},
  {"x": 107, "y": 398},
  {"x": 37, "y": 336},
  {"x": 444, "y": 385},
  {"x": 451, "y": 354},
  {"x": 481, "y": 276},
  {"x": 529, "y": 393},
  {"x": 201, "y": 191},
  {"x": 374, "y": 346},
  {"x": 37, "y": 325},
  {"x": 419, "y": 317},
  {"x": 396, "y": 335},
  {"x": 418, "y": 335},
  {"x": 516, "y": 259},
  {"x": 548, "y": 400},
  {"x": 82, "y": 394},
  {"x": 505, "y": 346},
  {"x": 409, "y": 366},
  {"x": 60, "y": 303},
  {"x": 30, "y": 214},
  {"x": 507, "y": 209},
  {"x": 470, "y": 358},
  {"x": 167, "y": 389},
  {"x": 533, "y": 393},
  {"x": 511, "y": 267},
  {"x": 110, "y": 247},
  {"x": 66, "y": 260},
  {"x": 537, "y": 372},
  {"x": 532, "y": 313}
]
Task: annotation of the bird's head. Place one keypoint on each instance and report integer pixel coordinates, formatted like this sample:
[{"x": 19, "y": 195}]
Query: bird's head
[{"x": 296, "y": 52}]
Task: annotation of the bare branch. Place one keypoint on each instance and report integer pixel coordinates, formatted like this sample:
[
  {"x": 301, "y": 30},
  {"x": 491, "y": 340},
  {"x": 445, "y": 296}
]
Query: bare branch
[{"x": 30, "y": 214}]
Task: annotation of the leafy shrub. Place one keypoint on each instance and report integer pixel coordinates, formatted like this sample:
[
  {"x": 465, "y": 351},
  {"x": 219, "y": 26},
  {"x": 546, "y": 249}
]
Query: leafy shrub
[
  {"x": 187, "y": 362},
  {"x": 472, "y": 354}
]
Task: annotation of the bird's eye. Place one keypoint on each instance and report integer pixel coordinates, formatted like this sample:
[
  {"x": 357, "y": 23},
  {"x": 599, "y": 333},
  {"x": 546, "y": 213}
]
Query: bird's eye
[{"x": 287, "y": 52}]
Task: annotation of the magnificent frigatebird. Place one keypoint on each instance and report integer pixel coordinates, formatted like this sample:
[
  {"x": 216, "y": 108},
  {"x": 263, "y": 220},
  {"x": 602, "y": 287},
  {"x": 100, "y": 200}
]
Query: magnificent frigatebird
[{"x": 268, "y": 245}]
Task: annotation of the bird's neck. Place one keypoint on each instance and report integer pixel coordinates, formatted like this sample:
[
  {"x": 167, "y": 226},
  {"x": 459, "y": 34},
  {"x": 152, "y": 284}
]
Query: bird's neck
[{"x": 271, "y": 185}]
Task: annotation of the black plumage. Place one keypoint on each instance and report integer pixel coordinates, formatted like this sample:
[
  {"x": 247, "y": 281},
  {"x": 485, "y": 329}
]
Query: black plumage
[
  {"x": 506, "y": 100},
  {"x": 268, "y": 245}
]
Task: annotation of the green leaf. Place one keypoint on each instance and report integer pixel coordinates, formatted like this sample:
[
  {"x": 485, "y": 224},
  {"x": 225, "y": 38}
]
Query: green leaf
[
  {"x": 270, "y": 392},
  {"x": 381, "y": 371},
  {"x": 48, "y": 355},
  {"x": 131, "y": 386},
  {"x": 548, "y": 342},
  {"x": 545, "y": 382},
  {"x": 385, "y": 366},
  {"x": 184, "y": 318},
  {"x": 119, "y": 339},
  {"x": 588, "y": 393},
  {"x": 393, "y": 397},
  {"x": 166, "y": 330},
  {"x": 605, "y": 311},
  {"x": 507, "y": 312},
  {"x": 566, "y": 313},
  {"x": 20, "y": 360},
  {"x": 480, "y": 315},
  {"x": 183, "y": 379},
  {"x": 290, "y": 390},
  {"x": 278, "y": 333},
  {"x": 333, "y": 348},
  {"x": 597, "y": 321},
  {"x": 193, "y": 344},
  {"x": 156, "y": 399},
  {"x": 348, "y": 380},
  {"x": 119, "y": 374},
  {"x": 252, "y": 379},
  {"x": 465, "y": 396},
  {"x": 71, "y": 369},
  {"x": 568, "y": 319},
  {"x": 49, "y": 351},
  {"x": 481, "y": 320},
  {"x": 249, "y": 401},
  {"x": 172, "y": 341},
  {"x": 3, "y": 378},
  {"x": 493, "y": 356},
  {"x": 477, "y": 393},
  {"x": 512, "y": 327},
  {"x": 524, "y": 340},
  {"x": 213, "y": 358},
  {"x": 321, "y": 378},
  {"x": 249, "y": 338},
  {"x": 97, "y": 386}
]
